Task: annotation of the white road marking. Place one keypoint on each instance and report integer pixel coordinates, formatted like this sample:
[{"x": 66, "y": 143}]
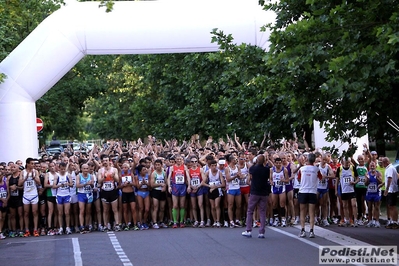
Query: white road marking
[
  {"x": 76, "y": 252},
  {"x": 304, "y": 240},
  {"x": 118, "y": 249}
]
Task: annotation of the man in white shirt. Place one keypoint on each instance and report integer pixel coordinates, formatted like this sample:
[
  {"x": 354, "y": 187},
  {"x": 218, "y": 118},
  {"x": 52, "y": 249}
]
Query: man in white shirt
[
  {"x": 308, "y": 176},
  {"x": 391, "y": 192}
]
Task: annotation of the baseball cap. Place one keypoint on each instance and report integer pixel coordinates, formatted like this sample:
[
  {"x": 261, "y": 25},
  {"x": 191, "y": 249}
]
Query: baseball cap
[
  {"x": 373, "y": 152},
  {"x": 222, "y": 161}
]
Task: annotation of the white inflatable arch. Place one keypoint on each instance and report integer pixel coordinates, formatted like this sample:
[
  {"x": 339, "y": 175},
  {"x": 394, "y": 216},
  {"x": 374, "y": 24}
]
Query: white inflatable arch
[{"x": 143, "y": 27}]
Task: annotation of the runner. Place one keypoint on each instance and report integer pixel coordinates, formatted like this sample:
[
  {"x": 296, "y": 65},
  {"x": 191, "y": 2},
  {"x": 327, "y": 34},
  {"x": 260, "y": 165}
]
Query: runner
[
  {"x": 196, "y": 190},
  {"x": 278, "y": 180},
  {"x": 29, "y": 179},
  {"x": 322, "y": 189},
  {"x": 215, "y": 181},
  {"x": 4, "y": 197},
  {"x": 233, "y": 192},
  {"x": 361, "y": 189},
  {"x": 84, "y": 185},
  {"x": 391, "y": 192},
  {"x": 143, "y": 196},
  {"x": 158, "y": 195},
  {"x": 15, "y": 203},
  {"x": 177, "y": 186},
  {"x": 244, "y": 183},
  {"x": 373, "y": 195},
  {"x": 63, "y": 185},
  {"x": 107, "y": 179},
  {"x": 51, "y": 198}
]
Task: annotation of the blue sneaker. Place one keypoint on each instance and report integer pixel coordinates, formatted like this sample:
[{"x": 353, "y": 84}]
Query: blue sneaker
[{"x": 146, "y": 227}]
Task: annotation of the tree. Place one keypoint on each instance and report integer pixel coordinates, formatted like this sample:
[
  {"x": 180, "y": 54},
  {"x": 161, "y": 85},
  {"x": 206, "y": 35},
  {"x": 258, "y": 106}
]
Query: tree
[{"x": 338, "y": 62}]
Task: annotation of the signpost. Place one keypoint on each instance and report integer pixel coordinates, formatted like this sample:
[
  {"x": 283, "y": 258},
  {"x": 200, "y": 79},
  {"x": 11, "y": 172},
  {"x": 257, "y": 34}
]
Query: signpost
[{"x": 39, "y": 124}]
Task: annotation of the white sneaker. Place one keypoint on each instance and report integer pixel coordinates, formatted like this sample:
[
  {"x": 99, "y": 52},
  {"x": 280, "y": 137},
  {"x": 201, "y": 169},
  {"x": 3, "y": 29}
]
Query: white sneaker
[
  {"x": 370, "y": 224},
  {"x": 360, "y": 223},
  {"x": 202, "y": 224},
  {"x": 217, "y": 224},
  {"x": 270, "y": 221},
  {"x": 226, "y": 224},
  {"x": 283, "y": 222},
  {"x": 326, "y": 223},
  {"x": 68, "y": 231},
  {"x": 155, "y": 226},
  {"x": 208, "y": 223},
  {"x": 311, "y": 234},
  {"x": 377, "y": 224},
  {"x": 296, "y": 222},
  {"x": 60, "y": 231},
  {"x": 2, "y": 236},
  {"x": 232, "y": 224},
  {"x": 276, "y": 222},
  {"x": 254, "y": 225},
  {"x": 196, "y": 224},
  {"x": 246, "y": 234}
]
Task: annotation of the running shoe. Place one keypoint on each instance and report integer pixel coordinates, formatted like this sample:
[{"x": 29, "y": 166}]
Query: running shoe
[
  {"x": 155, "y": 226},
  {"x": 335, "y": 220},
  {"x": 50, "y": 232},
  {"x": 261, "y": 236},
  {"x": 276, "y": 222},
  {"x": 360, "y": 222},
  {"x": 238, "y": 223},
  {"x": 82, "y": 230},
  {"x": 90, "y": 228},
  {"x": 247, "y": 234},
  {"x": 231, "y": 224},
  {"x": 370, "y": 224},
  {"x": 342, "y": 224},
  {"x": 196, "y": 224},
  {"x": 311, "y": 234},
  {"x": 226, "y": 224},
  {"x": 117, "y": 228},
  {"x": 43, "y": 232},
  {"x": 329, "y": 220},
  {"x": 101, "y": 228},
  {"x": 11, "y": 234},
  {"x": 392, "y": 226},
  {"x": 302, "y": 233},
  {"x": 136, "y": 228},
  {"x": 326, "y": 223},
  {"x": 271, "y": 222},
  {"x": 21, "y": 234},
  {"x": 35, "y": 233},
  {"x": 218, "y": 225},
  {"x": 257, "y": 223},
  {"x": 141, "y": 226},
  {"x": 377, "y": 224},
  {"x": 68, "y": 231},
  {"x": 254, "y": 225},
  {"x": 60, "y": 231},
  {"x": 182, "y": 225},
  {"x": 2, "y": 236},
  {"x": 202, "y": 224},
  {"x": 296, "y": 221},
  {"x": 208, "y": 223},
  {"x": 283, "y": 222},
  {"x": 174, "y": 225},
  {"x": 163, "y": 225}
]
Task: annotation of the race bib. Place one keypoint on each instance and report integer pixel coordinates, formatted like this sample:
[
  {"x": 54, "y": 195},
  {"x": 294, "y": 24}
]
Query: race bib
[
  {"x": 195, "y": 182},
  {"x": 14, "y": 193},
  {"x": 126, "y": 179},
  {"x": 159, "y": 181},
  {"x": 3, "y": 194},
  {"x": 372, "y": 188},
  {"x": 179, "y": 179},
  {"x": 278, "y": 183},
  {"x": 143, "y": 186},
  {"x": 87, "y": 189},
  {"x": 108, "y": 186},
  {"x": 362, "y": 180},
  {"x": 235, "y": 182},
  {"x": 243, "y": 181},
  {"x": 347, "y": 180}
]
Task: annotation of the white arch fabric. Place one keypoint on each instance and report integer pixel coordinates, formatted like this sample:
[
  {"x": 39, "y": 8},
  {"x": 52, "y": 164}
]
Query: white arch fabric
[{"x": 143, "y": 27}]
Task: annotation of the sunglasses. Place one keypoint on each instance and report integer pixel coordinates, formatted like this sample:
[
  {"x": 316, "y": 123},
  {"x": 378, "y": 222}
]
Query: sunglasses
[
  {"x": 194, "y": 161},
  {"x": 242, "y": 159}
]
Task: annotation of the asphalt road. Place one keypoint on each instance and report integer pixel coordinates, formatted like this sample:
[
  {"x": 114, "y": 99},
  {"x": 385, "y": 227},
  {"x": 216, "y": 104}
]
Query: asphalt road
[{"x": 187, "y": 246}]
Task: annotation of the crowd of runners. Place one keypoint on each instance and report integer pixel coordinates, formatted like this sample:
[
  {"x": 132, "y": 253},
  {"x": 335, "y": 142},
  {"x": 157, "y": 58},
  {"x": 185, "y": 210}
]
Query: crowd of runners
[{"x": 137, "y": 186}]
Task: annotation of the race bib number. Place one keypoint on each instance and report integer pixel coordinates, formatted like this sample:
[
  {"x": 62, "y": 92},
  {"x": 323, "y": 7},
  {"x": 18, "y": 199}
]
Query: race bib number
[
  {"x": 126, "y": 179},
  {"x": 372, "y": 188},
  {"x": 195, "y": 182},
  {"x": 3, "y": 194},
  {"x": 347, "y": 180},
  {"x": 159, "y": 181},
  {"x": 14, "y": 193},
  {"x": 278, "y": 183},
  {"x": 179, "y": 179},
  {"x": 215, "y": 183},
  {"x": 29, "y": 183},
  {"x": 108, "y": 186},
  {"x": 334, "y": 181},
  {"x": 243, "y": 181},
  {"x": 87, "y": 189},
  {"x": 143, "y": 186},
  {"x": 362, "y": 180}
]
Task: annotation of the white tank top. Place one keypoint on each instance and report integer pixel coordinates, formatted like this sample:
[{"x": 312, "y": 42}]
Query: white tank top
[
  {"x": 235, "y": 183},
  {"x": 323, "y": 184},
  {"x": 87, "y": 189},
  {"x": 51, "y": 179},
  {"x": 345, "y": 179},
  {"x": 30, "y": 189},
  {"x": 159, "y": 179},
  {"x": 63, "y": 190},
  {"x": 245, "y": 172},
  {"x": 214, "y": 179}
]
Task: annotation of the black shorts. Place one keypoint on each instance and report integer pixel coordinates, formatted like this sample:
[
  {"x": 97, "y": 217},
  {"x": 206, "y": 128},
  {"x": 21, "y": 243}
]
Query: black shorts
[
  {"x": 109, "y": 196},
  {"x": 348, "y": 196},
  {"x": 307, "y": 198},
  {"x": 216, "y": 193},
  {"x": 392, "y": 198},
  {"x": 3, "y": 209},
  {"x": 15, "y": 202},
  {"x": 296, "y": 192},
  {"x": 128, "y": 197},
  {"x": 42, "y": 199},
  {"x": 52, "y": 199},
  {"x": 158, "y": 194},
  {"x": 360, "y": 191}
]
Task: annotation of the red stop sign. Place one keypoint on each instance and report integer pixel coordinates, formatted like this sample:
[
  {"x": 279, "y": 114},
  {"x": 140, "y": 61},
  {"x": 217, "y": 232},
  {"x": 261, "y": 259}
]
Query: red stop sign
[{"x": 39, "y": 124}]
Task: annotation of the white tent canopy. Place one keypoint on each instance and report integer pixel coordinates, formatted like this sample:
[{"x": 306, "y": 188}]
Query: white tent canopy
[{"x": 143, "y": 27}]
